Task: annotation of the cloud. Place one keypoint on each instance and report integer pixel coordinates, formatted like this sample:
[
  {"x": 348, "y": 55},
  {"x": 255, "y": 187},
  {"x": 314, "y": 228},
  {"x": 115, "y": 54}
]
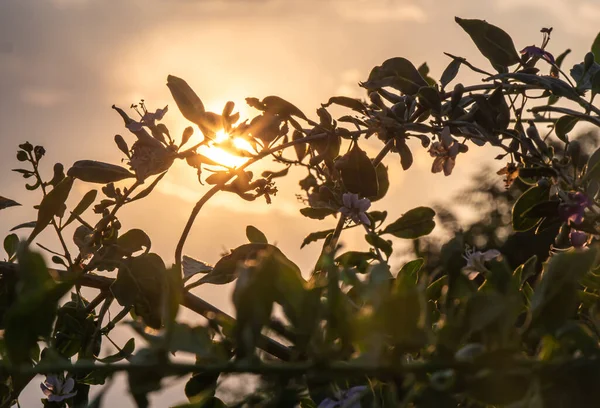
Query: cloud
[{"x": 379, "y": 11}]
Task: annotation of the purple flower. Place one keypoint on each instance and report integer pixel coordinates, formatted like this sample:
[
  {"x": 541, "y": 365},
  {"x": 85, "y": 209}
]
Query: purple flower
[
  {"x": 348, "y": 399},
  {"x": 355, "y": 208},
  {"x": 445, "y": 152},
  {"x": 57, "y": 389},
  {"x": 476, "y": 259},
  {"x": 574, "y": 210},
  {"x": 578, "y": 238},
  {"x": 536, "y": 52}
]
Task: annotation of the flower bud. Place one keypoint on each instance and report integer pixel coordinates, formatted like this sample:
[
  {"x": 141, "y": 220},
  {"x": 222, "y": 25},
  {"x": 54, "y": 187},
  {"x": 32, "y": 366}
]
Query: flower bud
[
  {"x": 588, "y": 61},
  {"x": 456, "y": 95}
]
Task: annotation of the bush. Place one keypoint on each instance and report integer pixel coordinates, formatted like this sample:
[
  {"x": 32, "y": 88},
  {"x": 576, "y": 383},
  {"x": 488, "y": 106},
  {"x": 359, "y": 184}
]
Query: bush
[{"x": 515, "y": 325}]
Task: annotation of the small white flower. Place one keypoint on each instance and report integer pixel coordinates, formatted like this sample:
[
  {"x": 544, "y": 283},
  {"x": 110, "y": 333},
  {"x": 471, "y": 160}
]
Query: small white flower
[
  {"x": 56, "y": 389},
  {"x": 355, "y": 208},
  {"x": 476, "y": 259}
]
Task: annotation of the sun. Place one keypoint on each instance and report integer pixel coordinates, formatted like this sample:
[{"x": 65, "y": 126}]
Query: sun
[{"x": 223, "y": 157}]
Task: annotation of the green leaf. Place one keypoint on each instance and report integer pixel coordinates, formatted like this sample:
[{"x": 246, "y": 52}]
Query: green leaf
[
  {"x": 563, "y": 126},
  {"x": 317, "y": 213},
  {"x": 31, "y": 316},
  {"x": 255, "y": 236},
  {"x": 51, "y": 205},
  {"x": 378, "y": 242},
  {"x": 583, "y": 77},
  {"x": 315, "y": 236},
  {"x": 596, "y": 49},
  {"x": 450, "y": 72},
  {"x": 408, "y": 276},
  {"x": 226, "y": 269},
  {"x": 414, "y": 224},
  {"x": 494, "y": 43},
  {"x": 87, "y": 200},
  {"x": 134, "y": 240},
  {"x": 187, "y": 101},
  {"x": 525, "y": 271},
  {"x": 358, "y": 173},
  {"x": 125, "y": 352},
  {"x": 555, "y": 297},
  {"x": 7, "y": 202},
  {"x": 11, "y": 243},
  {"x": 592, "y": 168},
  {"x": 98, "y": 172},
  {"x": 398, "y": 73},
  {"x": 355, "y": 259},
  {"x": 383, "y": 182},
  {"x": 528, "y": 199}
]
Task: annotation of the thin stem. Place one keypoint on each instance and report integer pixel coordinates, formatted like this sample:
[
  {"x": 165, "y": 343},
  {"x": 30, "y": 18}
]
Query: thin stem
[
  {"x": 219, "y": 186},
  {"x": 582, "y": 116}
]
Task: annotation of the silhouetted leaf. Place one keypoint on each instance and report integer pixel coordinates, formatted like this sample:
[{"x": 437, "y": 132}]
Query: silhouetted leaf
[
  {"x": 7, "y": 202},
  {"x": 406, "y": 157},
  {"x": 125, "y": 352},
  {"x": 134, "y": 240},
  {"x": 354, "y": 104},
  {"x": 30, "y": 224},
  {"x": 398, "y": 73},
  {"x": 187, "y": 101},
  {"x": 317, "y": 213},
  {"x": 315, "y": 236},
  {"x": 358, "y": 173},
  {"x": 87, "y": 200},
  {"x": 413, "y": 224},
  {"x": 494, "y": 43},
  {"x": 563, "y": 126},
  {"x": 11, "y": 243},
  {"x": 378, "y": 242},
  {"x": 450, "y": 72},
  {"x": 51, "y": 205},
  {"x": 98, "y": 172},
  {"x": 255, "y": 236},
  {"x": 145, "y": 192},
  {"x": 141, "y": 283},
  {"x": 430, "y": 98},
  {"x": 281, "y": 107},
  {"x": 299, "y": 148}
]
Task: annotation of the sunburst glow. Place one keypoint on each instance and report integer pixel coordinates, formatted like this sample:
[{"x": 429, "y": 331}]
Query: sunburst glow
[{"x": 224, "y": 157}]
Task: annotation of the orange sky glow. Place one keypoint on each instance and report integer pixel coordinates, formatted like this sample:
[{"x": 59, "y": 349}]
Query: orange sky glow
[{"x": 63, "y": 63}]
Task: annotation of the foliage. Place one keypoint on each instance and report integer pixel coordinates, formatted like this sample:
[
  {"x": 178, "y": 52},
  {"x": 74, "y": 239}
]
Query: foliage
[{"x": 504, "y": 313}]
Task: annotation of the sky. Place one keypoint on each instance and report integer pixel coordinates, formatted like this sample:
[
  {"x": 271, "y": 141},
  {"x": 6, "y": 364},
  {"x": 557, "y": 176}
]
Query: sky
[{"x": 63, "y": 63}]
